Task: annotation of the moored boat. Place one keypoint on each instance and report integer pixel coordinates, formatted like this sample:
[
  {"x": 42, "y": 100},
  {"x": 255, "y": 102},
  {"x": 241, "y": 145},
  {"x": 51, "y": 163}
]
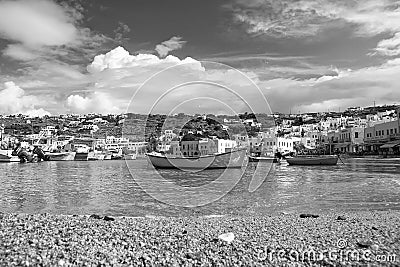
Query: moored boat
[
  {"x": 130, "y": 156},
  {"x": 232, "y": 159},
  {"x": 313, "y": 160},
  {"x": 263, "y": 159},
  {"x": 95, "y": 155},
  {"x": 82, "y": 152},
  {"x": 61, "y": 156},
  {"x": 6, "y": 156}
]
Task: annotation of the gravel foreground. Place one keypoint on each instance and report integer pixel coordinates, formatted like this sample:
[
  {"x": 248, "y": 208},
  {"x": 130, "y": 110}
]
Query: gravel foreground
[{"x": 357, "y": 239}]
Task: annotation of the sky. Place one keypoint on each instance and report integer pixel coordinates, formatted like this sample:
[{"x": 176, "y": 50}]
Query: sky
[{"x": 197, "y": 56}]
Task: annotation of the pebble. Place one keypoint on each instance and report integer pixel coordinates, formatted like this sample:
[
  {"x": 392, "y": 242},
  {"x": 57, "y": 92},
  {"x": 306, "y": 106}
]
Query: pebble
[
  {"x": 108, "y": 218},
  {"x": 95, "y": 216},
  {"x": 364, "y": 244},
  {"x": 374, "y": 247},
  {"x": 341, "y": 218},
  {"x": 228, "y": 237},
  {"x": 57, "y": 240},
  {"x": 308, "y": 215}
]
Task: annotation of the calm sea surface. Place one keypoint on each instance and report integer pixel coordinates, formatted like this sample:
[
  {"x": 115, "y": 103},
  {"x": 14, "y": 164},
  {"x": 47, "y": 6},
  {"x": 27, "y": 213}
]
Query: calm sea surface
[{"x": 111, "y": 188}]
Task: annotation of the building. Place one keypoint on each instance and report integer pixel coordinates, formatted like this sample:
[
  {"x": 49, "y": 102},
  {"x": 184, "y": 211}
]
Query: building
[
  {"x": 381, "y": 138},
  {"x": 224, "y": 146},
  {"x": 287, "y": 145},
  {"x": 190, "y": 148}
]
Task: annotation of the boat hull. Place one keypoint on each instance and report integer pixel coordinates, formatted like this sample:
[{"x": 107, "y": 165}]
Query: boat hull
[
  {"x": 96, "y": 156},
  {"x": 232, "y": 159},
  {"x": 81, "y": 156},
  {"x": 309, "y": 161},
  {"x": 61, "y": 156},
  {"x": 130, "y": 157},
  {"x": 5, "y": 156},
  {"x": 263, "y": 159}
]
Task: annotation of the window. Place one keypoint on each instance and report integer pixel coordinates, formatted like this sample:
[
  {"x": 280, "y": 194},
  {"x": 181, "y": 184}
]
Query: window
[{"x": 356, "y": 134}]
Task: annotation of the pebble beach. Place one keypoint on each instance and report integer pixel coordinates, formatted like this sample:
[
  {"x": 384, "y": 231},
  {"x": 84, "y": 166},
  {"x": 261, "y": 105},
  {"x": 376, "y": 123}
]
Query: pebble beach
[{"x": 329, "y": 239}]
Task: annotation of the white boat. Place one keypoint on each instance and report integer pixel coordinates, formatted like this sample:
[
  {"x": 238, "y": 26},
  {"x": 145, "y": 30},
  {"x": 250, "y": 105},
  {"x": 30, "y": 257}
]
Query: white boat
[
  {"x": 130, "y": 157},
  {"x": 61, "y": 156},
  {"x": 82, "y": 152},
  {"x": 233, "y": 159},
  {"x": 96, "y": 155},
  {"x": 264, "y": 159},
  {"x": 6, "y": 156},
  {"x": 313, "y": 160}
]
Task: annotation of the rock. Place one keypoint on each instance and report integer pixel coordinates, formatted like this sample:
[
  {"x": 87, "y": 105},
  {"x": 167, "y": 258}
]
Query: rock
[
  {"x": 341, "y": 218},
  {"x": 374, "y": 228},
  {"x": 108, "y": 218},
  {"x": 308, "y": 215},
  {"x": 95, "y": 216},
  {"x": 228, "y": 237},
  {"x": 375, "y": 247},
  {"x": 364, "y": 244}
]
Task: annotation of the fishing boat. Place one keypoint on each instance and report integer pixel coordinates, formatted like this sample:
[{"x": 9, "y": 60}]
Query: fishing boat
[
  {"x": 130, "y": 157},
  {"x": 313, "y": 160},
  {"x": 6, "y": 156},
  {"x": 82, "y": 152},
  {"x": 232, "y": 159},
  {"x": 96, "y": 155},
  {"x": 61, "y": 156},
  {"x": 263, "y": 159}
]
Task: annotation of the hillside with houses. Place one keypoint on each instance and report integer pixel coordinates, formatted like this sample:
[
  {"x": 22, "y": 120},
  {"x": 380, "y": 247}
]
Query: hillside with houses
[{"x": 356, "y": 131}]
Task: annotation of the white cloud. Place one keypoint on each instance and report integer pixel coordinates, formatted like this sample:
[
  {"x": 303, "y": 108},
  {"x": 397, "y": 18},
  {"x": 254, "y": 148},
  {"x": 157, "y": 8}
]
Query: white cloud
[
  {"x": 120, "y": 58},
  {"x": 307, "y": 17},
  {"x": 36, "y": 23},
  {"x": 43, "y": 28},
  {"x": 37, "y": 113},
  {"x": 172, "y": 44},
  {"x": 349, "y": 88},
  {"x": 389, "y": 47},
  {"x": 96, "y": 102},
  {"x": 14, "y": 100},
  {"x": 19, "y": 52},
  {"x": 121, "y": 31}
]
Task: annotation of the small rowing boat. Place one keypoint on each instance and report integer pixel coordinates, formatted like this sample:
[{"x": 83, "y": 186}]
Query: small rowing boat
[
  {"x": 232, "y": 159},
  {"x": 313, "y": 160},
  {"x": 263, "y": 159},
  {"x": 6, "y": 156}
]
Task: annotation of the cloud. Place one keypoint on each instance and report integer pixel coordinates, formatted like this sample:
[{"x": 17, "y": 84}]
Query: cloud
[
  {"x": 121, "y": 31},
  {"x": 348, "y": 88},
  {"x": 20, "y": 52},
  {"x": 96, "y": 102},
  {"x": 14, "y": 100},
  {"x": 309, "y": 17},
  {"x": 43, "y": 28},
  {"x": 37, "y": 113},
  {"x": 36, "y": 23},
  {"x": 172, "y": 44},
  {"x": 389, "y": 47},
  {"x": 120, "y": 58}
]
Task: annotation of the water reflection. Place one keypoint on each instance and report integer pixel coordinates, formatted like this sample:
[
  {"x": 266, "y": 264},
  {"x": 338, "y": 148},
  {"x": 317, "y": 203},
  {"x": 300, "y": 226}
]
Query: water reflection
[{"x": 108, "y": 188}]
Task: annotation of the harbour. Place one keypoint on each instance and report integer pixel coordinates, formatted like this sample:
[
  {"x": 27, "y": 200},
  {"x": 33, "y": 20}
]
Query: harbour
[
  {"x": 199, "y": 133},
  {"x": 109, "y": 187}
]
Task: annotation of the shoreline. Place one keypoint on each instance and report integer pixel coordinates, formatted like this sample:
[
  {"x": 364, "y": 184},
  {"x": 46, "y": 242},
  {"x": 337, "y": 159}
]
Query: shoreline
[{"x": 46, "y": 239}]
